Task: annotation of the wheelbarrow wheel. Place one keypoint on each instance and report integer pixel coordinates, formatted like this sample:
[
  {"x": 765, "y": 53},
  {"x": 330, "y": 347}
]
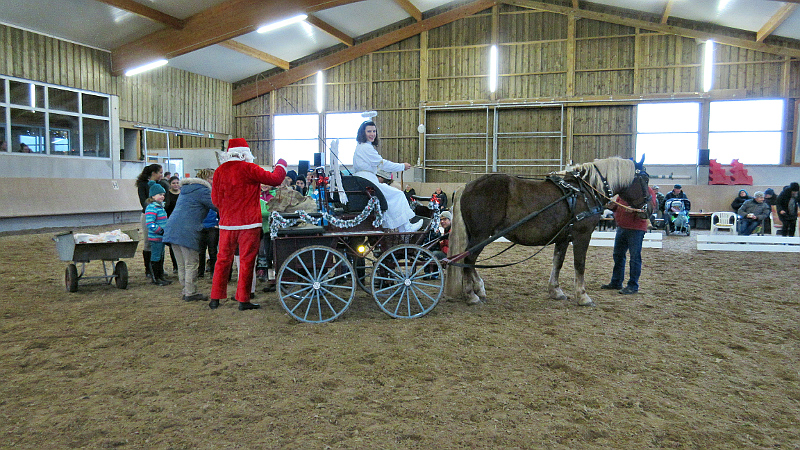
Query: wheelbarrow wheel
[
  {"x": 71, "y": 278},
  {"x": 121, "y": 275}
]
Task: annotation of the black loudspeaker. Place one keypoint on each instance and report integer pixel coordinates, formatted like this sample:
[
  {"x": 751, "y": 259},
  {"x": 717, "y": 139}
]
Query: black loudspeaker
[
  {"x": 702, "y": 157},
  {"x": 302, "y": 167},
  {"x": 317, "y": 159}
]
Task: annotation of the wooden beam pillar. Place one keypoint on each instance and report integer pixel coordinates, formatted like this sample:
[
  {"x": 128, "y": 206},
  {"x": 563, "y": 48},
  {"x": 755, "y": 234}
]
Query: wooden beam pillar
[
  {"x": 423, "y": 92},
  {"x": 571, "y": 46}
]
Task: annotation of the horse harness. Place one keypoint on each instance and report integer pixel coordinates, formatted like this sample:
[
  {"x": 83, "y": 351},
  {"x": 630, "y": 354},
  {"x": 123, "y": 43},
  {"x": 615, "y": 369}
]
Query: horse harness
[{"x": 570, "y": 194}]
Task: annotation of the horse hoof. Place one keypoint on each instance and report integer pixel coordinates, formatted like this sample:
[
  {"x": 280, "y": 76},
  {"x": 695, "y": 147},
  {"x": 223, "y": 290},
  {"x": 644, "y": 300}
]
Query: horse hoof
[
  {"x": 474, "y": 301},
  {"x": 589, "y": 303}
]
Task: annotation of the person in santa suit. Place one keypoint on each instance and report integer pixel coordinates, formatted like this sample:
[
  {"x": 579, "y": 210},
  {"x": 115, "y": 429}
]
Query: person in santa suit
[{"x": 235, "y": 190}]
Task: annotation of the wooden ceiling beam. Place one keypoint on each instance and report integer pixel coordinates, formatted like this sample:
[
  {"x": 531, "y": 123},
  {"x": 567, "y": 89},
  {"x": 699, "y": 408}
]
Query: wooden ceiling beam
[
  {"x": 146, "y": 12},
  {"x": 255, "y": 53},
  {"x": 775, "y": 21},
  {"x": 410, "y": 9},
  {"x": 667, "y": 11},
  {"x": 219, "y": 23},
  {"x": 658, "y": 27},
  {"x": 253, "y": 90},
  {"x": 330, "y": 29}
]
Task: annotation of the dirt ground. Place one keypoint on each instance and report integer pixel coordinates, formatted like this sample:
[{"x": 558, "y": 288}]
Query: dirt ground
[{"x": 705, "y": 356}]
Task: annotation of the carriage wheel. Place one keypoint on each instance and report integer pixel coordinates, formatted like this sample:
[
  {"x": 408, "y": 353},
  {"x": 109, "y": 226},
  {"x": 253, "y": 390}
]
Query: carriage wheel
[
  {"x": 316, "y": 284},
  {"x": 407, "y": 281},
  {"x": 121, "y": 275},
  {"x": 71, "y": 278}
]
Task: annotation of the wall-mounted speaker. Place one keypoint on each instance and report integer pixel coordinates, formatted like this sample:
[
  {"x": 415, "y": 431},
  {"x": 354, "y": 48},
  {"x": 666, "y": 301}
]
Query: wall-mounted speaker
[
  {"x": 702, "y": 157},
  {"x": 302, "y": 168},
  {"x": 317, "y": 159}
]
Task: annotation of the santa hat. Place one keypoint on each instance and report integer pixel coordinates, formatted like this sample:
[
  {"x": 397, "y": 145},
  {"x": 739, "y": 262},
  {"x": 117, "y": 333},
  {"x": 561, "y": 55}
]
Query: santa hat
[{"x": 239, "y": 150}]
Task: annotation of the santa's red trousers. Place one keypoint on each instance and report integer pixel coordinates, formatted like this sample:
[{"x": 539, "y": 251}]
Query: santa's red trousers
[{"x": 247, "y": 241}]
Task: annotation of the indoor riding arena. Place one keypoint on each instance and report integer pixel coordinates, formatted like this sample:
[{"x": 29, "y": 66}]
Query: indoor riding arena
[{"x": 98, "y": 354}]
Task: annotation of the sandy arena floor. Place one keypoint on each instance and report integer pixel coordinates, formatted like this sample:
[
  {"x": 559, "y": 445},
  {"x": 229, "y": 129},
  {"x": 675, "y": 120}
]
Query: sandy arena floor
[{"x": 707, "y": 355}]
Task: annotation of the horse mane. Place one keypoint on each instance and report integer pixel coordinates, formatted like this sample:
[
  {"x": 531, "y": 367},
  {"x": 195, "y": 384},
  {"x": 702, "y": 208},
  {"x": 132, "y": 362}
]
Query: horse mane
[{"x": 619, "y": 173}]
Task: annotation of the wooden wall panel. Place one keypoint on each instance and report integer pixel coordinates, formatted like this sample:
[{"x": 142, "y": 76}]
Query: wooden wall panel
[
  {"x": 530, "y": 26},
  {"x": 759, "y": 74},
  {"x": 165, "y": 97},
  {"x": 603, "y": 131}
]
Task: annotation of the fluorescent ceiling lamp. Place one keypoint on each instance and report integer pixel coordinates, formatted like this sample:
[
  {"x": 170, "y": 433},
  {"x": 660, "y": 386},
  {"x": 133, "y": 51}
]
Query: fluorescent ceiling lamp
[
  {"x": 33, "y": 95},
  {"x": 146, "y": 67},
  {"x": 493, "y": 68},
  {"x": 722, "y": 4},
  {"x": 282, "y": 23},
  {"x": 320, "y": 92},
  {"x": 708, "y": 65}
]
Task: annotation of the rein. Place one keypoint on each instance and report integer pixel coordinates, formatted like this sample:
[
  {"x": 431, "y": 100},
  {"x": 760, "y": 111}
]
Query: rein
[{"x": 570, "y": 193}]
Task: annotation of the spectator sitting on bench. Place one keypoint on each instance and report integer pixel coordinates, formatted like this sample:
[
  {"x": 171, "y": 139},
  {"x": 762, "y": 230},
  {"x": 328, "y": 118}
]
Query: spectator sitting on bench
[{"x": 752, "y": 213}]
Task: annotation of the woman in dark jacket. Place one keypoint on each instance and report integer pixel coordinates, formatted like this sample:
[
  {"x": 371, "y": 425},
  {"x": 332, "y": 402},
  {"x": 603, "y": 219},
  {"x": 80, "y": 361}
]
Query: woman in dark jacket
[
  {"x": 741, "y": 197},
  {"x": 152, "y": 172},
  {"x": 786, "y": 205},
  {"x": 183, "y": 232}
]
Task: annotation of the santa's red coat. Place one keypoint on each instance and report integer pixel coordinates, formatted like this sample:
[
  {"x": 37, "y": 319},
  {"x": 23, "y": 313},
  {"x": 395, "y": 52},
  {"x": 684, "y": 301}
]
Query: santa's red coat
[{"x": 236, "y": 190}]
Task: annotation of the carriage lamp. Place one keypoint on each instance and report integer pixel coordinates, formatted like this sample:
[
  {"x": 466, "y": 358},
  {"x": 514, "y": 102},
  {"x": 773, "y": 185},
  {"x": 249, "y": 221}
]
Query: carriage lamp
[{"x": 362, "y": 249}]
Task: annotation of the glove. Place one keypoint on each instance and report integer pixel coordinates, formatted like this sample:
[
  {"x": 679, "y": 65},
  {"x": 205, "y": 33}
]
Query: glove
[{"x": 281, "y": 163}]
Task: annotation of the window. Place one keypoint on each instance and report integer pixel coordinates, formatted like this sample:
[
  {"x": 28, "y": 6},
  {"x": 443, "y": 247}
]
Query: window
[
  {"x": 668, "y": 133},
  {"x": 747, "y": 130},
  {"x": 296, "y": 137},
  {"x": 64, "y": 122},
  {"x": 343, "y": 126},
  {"x": 27, "y": 131}
]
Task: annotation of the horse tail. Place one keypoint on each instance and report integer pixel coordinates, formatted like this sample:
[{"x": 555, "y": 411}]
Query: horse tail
[{"x": 458, "y": 243}]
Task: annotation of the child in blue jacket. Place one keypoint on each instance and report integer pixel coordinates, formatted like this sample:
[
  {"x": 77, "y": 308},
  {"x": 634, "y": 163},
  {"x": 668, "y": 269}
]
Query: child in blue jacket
[{"x": 155, "y": 217}]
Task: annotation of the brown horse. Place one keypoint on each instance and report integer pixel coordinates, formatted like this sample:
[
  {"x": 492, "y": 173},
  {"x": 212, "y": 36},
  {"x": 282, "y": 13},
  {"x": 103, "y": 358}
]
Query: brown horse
[{"x": 561, "y": 209}]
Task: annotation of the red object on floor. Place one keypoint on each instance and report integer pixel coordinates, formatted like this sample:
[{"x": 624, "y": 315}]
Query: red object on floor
[
  {"x": 716, "y": 174},
  {"x": 739, "y": 174}
]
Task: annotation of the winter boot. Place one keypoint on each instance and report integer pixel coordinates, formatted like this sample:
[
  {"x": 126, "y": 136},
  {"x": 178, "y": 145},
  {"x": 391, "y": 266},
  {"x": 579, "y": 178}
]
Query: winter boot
[
  {"x": 146, "y": 257},
  {"x": 160, "y": 273},
  {"x": 156, "y": 268}
]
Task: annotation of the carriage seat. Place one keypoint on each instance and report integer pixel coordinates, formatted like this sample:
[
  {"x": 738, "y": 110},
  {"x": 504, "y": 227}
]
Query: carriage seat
[{"x": 357, "y": 195}]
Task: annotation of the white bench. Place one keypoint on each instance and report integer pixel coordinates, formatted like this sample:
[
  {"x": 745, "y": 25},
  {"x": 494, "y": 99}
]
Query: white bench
[
  {"x": 728, "y": 243},
  {"x": 606, "y": 239}
]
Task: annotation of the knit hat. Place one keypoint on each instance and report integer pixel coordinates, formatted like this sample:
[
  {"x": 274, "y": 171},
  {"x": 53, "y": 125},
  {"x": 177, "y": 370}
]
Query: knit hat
[
  {"x": 238, "y": 150},
  {"x": 155, "y": 188},
  {"x": 769, "y": 191},
  {"x": 293, "y": 175},
  {"x": 446, "y": 215},
  {"x": 677, "y": 186},
  {"x": 384, "y": 174}
]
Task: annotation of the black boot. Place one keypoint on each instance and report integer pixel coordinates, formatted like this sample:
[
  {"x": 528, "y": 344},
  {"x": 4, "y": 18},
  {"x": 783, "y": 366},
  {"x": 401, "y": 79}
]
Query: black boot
[
  {"x": 146, "y": 257},
  {"x": 156, "y": 268},
  {"x": 160, "y": 273}
]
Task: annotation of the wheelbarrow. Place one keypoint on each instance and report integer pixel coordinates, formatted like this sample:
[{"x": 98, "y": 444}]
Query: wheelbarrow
[{"x": 107, "y": 252}]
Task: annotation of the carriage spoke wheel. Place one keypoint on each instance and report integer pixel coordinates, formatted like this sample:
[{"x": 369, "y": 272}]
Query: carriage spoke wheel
[
  {"x": 316, "y": 284},
  {"x": 407, "y": 281}
]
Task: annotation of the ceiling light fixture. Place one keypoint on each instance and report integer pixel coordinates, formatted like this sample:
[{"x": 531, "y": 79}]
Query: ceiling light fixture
[
  {"x": 146, "y": 67},
  {"x": 320, "y": 92},
  {"x": 282, "y": 23},
  {"x": 493, "y": 68},
  {"x": 708, "y": 65}
]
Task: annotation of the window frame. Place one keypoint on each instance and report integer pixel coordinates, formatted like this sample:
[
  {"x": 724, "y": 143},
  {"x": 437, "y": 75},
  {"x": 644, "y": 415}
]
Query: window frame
[{"x": 43, "y": 106}]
